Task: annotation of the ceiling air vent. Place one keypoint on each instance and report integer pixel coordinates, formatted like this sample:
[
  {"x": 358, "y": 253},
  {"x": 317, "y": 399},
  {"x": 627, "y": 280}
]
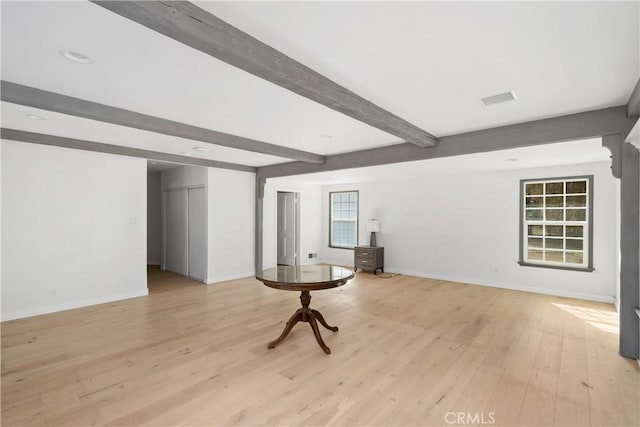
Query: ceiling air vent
[{"x": 498, "y": 99}]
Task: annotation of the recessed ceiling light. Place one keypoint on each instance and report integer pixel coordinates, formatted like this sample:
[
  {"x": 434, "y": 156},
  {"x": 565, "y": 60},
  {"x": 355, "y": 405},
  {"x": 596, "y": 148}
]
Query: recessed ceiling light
[
  {"x": 326, "y": 135},
  {"x": 513, "y": 159},
  {"x": 201, "y": 148},
  {"x": 498, "y": 99},
  {"x": 34, "y": 117},
  {"x": 77, "y": 57}
]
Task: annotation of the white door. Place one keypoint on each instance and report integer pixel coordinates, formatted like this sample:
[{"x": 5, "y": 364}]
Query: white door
[
  {"x": 197, "y": 237},
  {"x": 287, "y": 228},
  {"x": 176, "y": 232}
]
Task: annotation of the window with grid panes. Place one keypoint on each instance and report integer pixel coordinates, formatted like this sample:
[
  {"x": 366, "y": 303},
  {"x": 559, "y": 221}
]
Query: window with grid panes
[
  {"x": 343, "y": 219},
  {"x": 556, "y": 222}
]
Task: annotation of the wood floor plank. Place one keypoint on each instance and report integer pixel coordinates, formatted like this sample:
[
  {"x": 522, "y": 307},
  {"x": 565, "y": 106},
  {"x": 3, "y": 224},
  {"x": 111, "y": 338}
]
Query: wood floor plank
[
  {"x": 538, "y": 406},
  {"x": 605, "y": 400},
  {"x": 409, "y": 352},
  {"x": 572, "y": 403},
  {"x": 515, "y": 352}
]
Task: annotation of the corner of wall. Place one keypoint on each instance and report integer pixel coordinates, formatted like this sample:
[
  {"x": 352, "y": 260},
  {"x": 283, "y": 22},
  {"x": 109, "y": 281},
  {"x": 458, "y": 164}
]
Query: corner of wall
[{"x": 219, "y": 279}]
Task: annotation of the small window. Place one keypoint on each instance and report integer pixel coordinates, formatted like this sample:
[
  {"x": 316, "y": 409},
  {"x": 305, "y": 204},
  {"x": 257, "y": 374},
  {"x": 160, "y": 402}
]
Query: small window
[
  {"x": 556, "y": 223},
  {"x": 343, "y": 219}
]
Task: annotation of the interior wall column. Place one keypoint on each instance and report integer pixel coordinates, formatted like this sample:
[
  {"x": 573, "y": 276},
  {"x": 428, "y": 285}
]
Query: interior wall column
[
  {"x": 625, "y": 165},
  {"x": 260, "y": 182}
]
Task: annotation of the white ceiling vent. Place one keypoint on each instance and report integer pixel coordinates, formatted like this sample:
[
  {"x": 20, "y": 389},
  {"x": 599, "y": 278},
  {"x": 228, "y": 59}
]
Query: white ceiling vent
[{"x": 498, "y": 99}]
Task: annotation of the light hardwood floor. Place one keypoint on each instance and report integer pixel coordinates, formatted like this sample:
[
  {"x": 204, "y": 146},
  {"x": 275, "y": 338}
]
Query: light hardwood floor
[{"x": 410, "y": 352}]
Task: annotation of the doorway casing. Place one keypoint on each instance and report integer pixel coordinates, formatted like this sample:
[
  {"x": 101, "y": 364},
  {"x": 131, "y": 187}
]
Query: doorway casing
[{"x": 291, "y": 217}]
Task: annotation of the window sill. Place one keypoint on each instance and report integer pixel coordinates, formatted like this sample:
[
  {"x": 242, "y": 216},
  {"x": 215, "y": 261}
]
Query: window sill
[
  {"x": 341, "y": 247},
  {"x": 557, "y": 267}
]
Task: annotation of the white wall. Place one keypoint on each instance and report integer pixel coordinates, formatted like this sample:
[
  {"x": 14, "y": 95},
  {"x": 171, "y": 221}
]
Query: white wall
[
  {"x": 154, "y": 224},
  {"x": 465, "y": 228},
  {"x": 75, "y": 223},
  {"x": 184, "y": 176},
  {"x": 310, "y": 220},
  {"x": 0, "y": 229},
  {"x": 617, "y": 248},
  {"x": 231, "y": 206}
]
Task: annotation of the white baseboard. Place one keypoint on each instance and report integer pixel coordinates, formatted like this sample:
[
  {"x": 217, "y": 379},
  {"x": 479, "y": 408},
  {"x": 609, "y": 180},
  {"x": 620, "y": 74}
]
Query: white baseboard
[
  {"x": 36, "y": 311},
  {"x": 339, "y": 264},
  {"x": 312, "y": 261},
  {"x": 545, "y": 291},
  {"x": 213, "y": 280}
]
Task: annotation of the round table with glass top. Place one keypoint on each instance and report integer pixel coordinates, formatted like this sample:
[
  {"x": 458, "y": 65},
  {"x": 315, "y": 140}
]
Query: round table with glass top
[{"x": 305, "y": 278}]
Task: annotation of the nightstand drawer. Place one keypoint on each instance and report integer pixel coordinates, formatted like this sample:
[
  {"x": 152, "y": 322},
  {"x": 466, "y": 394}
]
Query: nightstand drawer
[
  {"x": 364, "y": 253},
  {"x": 365, "y": 261}
]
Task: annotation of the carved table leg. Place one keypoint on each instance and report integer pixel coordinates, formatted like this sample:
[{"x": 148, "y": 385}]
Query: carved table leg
[
  {"x": 312, "y": 317},
  {"x": 316, "y": 332},
  {"x": 297, "y": 317},
  {"x": 323, "y": 322}
]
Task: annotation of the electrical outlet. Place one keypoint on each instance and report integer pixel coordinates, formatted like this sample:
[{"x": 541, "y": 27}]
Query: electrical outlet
[
  {"x": 315, "y": 255},
  {"x": 310, "y": 256},
  {"x": 53, "y": 292}
]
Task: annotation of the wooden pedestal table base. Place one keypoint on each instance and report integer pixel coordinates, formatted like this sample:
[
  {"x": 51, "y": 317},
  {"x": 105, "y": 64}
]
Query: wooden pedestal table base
[
  {"x": 309, "y": 315},
  {"x": 304, "y": 279}
]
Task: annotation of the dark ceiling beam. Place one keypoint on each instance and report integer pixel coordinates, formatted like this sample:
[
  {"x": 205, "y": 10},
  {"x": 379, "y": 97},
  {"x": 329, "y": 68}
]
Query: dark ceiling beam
[
  {"x": 565, "y": 128},
  {"x": 81, "y": 144},
  {"x": 633, "y": 105},
  {"x": 187, "y": 23},
  {"x": 51, "y": 101}
]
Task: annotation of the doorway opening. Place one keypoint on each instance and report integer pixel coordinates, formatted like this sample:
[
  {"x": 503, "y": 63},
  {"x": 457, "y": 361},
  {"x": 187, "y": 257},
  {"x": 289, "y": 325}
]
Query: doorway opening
[
  {"x": 288, "y": 228},
  {"x": 176, "y": 223}
]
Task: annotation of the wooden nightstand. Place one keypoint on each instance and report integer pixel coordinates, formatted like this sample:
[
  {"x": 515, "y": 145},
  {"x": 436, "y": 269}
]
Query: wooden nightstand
[{"x": 368, "y": 257}]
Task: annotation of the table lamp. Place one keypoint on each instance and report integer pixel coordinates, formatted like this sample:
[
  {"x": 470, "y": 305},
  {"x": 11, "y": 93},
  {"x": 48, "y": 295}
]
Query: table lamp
[{"x": 373, "y": 226}]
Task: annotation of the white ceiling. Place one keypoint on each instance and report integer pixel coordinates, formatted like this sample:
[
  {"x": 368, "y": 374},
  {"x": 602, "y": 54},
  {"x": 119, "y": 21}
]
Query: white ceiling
[
  {"x": 430, "y": 62},
  {"x": 558, "y": 154},
  {"x": 427, "y": 62},
  {"x": 138, "y": 69}
]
